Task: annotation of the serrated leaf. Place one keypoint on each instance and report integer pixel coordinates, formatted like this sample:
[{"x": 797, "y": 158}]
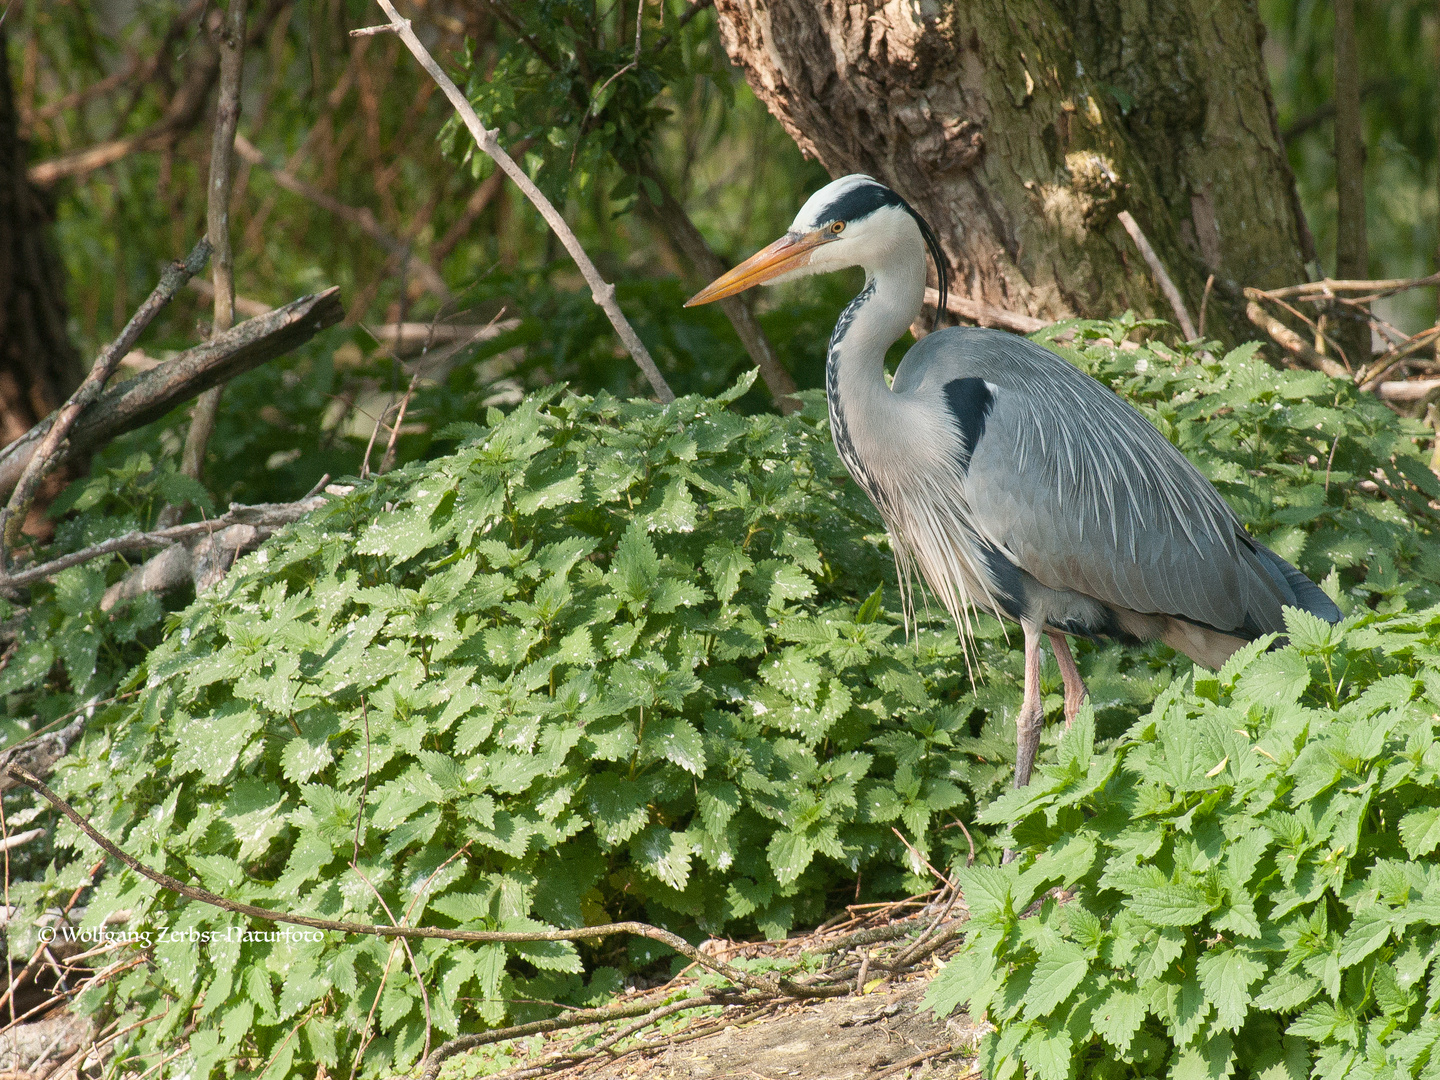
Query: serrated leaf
[
  {"x": 676, "y": 740},
  {"x": 1058, "y": 971},
  {"x": 666, "y": 855},
  {"x": 1226, "y": 975},
  {"x": 1420, "y": 831},
  {"x": 1119, "y": 1017},
  {"x": 1170, "y": 905}
]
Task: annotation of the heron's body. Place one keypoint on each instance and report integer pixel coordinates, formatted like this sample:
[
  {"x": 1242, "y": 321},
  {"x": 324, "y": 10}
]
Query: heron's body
[{"x": 1012, "y": 481}]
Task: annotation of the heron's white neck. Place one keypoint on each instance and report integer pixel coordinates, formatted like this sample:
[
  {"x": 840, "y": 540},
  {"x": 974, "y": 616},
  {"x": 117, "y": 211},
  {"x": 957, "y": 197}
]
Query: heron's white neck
[{"x": 893, "y": 296}]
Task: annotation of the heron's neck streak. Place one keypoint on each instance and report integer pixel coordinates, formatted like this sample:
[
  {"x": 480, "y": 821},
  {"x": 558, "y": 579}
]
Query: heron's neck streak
[{"x": 862, "y": 406}]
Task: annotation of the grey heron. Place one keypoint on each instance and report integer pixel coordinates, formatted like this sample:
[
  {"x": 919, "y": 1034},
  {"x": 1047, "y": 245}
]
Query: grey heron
[{"x": 1011, "y": 480}]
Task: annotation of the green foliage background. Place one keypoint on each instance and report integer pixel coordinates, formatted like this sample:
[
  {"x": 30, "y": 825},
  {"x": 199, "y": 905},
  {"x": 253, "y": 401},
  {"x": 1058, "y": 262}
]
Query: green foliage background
[{"x": 638, "y": 662}]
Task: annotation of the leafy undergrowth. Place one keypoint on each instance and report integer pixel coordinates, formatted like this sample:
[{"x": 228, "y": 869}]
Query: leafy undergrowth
[
  {"x": 1251, "y": 876},
  {"x": 607, "y": 660}
]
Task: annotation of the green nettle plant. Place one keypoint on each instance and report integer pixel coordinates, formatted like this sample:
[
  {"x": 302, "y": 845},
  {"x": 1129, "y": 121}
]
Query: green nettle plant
[
  {"x": 616, "y": 660},
  {"x": 1250, "y": 877}
]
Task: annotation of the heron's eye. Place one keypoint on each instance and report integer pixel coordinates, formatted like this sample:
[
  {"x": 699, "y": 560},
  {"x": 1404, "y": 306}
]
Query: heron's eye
[{"x": 838, "y": 227}]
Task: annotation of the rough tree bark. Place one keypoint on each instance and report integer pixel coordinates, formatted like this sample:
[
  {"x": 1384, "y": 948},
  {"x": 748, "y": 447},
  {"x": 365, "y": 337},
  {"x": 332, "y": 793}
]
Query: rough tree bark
[
  {"x": 39, "y": 366},
  {"x": 1021, "y": 128}
]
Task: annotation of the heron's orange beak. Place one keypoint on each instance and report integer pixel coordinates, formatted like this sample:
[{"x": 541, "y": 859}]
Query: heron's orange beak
[{"x": 787, "y": 253}]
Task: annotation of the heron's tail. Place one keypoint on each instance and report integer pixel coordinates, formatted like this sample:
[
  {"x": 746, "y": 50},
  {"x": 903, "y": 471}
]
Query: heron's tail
[{"x": 1298, "y": 589}]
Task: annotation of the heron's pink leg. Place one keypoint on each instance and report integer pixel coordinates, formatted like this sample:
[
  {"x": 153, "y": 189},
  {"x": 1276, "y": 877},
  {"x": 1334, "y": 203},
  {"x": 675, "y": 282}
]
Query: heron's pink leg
[
  {"x": 1075, "y": 692},
  {"x": 1031, "y": 717},
  {"x": 1032, "y": 710}
]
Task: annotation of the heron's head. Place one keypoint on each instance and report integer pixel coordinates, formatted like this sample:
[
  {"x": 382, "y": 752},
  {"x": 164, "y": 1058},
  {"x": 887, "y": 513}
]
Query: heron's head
[{"x": 852, "y": 221}]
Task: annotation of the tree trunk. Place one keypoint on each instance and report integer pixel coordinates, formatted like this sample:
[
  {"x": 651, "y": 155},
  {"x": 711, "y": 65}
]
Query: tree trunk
[
  {"x": 1022, "y": 128},
  {"x": 39, "y": 367}
]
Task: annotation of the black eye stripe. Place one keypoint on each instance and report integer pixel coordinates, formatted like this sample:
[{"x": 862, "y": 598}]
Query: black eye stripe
[{"x": 861, "y": 201}]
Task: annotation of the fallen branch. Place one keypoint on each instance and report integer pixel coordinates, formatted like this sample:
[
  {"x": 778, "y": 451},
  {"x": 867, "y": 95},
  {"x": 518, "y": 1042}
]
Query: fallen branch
[
  {"x": 47, "y": 455},
  {"x": 1167, "y": 286},
  {"x": 571, "y": 1019},
  {"x": 154, "y": 393},
  {"x": 601, "y": 291},
  {"x": 1382, "y": 365},
  {"x": 928, "y": 1055},
  {"x": 986, "y": 314},
  {"x": 1407, "y": 389}
]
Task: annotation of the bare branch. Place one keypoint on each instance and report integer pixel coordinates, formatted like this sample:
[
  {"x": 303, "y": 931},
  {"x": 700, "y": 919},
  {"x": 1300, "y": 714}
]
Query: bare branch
[
  {"x": 677, "y": 228},
  {"x": 1289, "y": 340},
  {"x": 1167, "y": 286},
  {"x": 153, "y": 393},
  {"x": 267, "y": 515},
  {"x": 47, "y": 455},
  {"x": 601, "y": 291},
  {"x": 1375, "y": 289}
]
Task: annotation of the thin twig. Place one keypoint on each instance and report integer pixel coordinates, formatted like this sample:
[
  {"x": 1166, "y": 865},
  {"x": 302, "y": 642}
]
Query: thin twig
[
  {"x": 601, "y": 291},
  {"x": 911, "y": 1062},
  {"x": 1374, "y": 290},
  {"x": 1204, "y": 303},
  {"x": 46, "y": 455},
  {"x": 777, "y": 986},
  {"x": 1292, "y": 342},
  {"x": 945, "y": 881},
  {"x": 1167, "y": 285},
  {"x": 262, "y": 514},
  {"x": 362, "y": 217},
  {"x": 217, "y": 226},
  {"x": 690, "y": 12},
  {"x": 968, "y": 839}
]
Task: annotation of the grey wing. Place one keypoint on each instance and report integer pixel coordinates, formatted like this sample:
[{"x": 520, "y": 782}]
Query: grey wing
[{"x": 1076, "y": 488}]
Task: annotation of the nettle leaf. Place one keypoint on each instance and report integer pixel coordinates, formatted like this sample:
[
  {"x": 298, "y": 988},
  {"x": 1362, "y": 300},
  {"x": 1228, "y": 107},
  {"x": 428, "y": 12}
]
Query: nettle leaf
[
  {"x": 213, "y": 744},
  {"x": 1420, "y": 831},
  {"x": 676, "y": 740},
  {"x": 1059, "y": 970},
  {"x": 1119, "y": 1017},
  {"x": 665, "y": 854},
  {"x": 1170, "y": 904},
  {"x": 1226, "y": 976}
]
